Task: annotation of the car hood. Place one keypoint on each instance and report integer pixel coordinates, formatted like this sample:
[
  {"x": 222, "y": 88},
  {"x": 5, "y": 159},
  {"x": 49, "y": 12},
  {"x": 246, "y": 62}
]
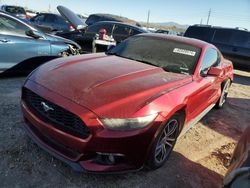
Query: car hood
[
  {"x": 54, "y": 38},
  {"x": 72, "y": 18},
  {"x": 108, "y": 85}
]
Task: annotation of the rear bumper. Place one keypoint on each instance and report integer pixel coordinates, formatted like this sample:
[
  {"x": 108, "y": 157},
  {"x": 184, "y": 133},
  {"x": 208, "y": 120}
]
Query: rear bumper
[{"x": 81, "y": 154}]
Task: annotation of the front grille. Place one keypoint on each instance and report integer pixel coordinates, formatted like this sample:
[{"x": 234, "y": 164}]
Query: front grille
[
  {"x": 57, "y": 116},
  {"x": 69, "y": 152}
]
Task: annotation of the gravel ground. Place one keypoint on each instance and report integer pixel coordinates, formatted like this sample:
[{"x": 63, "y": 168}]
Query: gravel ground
[{"x": 198, "y": 159}]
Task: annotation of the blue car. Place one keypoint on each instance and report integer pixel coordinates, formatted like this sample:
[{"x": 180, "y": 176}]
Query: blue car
[
  {"x": 53, "y": 21},
  {"x": 23, "y": 47}
]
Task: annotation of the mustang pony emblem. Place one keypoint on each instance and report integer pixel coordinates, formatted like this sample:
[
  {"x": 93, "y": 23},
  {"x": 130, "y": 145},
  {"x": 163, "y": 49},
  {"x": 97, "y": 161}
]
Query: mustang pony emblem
[{"x": 46, "y": 108}]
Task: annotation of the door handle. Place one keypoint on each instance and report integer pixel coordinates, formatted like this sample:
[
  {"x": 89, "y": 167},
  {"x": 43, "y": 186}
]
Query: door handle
[{"x": 4, "y": 40}]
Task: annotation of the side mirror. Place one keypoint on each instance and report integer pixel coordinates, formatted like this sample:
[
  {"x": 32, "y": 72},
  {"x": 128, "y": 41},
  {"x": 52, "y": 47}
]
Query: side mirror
[
  {"x": 215, "y": 71},
  {"x": 34, "y": 34}
]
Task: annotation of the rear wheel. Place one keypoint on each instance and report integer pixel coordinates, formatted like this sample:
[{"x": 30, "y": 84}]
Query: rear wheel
[
  {"x": 165, "y": 142},
  {"x": 225, "y": 88}
]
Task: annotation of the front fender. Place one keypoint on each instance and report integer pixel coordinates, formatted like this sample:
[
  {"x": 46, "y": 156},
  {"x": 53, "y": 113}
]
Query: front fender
[{"x": 57, "y": 48}]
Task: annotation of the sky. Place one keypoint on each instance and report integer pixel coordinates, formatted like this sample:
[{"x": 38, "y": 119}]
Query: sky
[{"x": 227, "y": 13}]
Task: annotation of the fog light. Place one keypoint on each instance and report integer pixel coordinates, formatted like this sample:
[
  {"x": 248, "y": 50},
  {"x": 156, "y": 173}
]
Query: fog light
[{"x": 109, "y": 158}]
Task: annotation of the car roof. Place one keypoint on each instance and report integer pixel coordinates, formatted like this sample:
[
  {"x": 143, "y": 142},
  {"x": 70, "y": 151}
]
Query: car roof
[
  {"x": 11, "y": 6},
  {"x": 186, "y": 40},
  {"x": 219, "y": 27},
  {"x": 46, "y": 13},
  {"x": 121, "y": 23}
]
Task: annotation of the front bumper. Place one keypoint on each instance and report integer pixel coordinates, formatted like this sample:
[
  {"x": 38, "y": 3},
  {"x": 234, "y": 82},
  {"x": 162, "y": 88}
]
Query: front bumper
[{"x": 81, "y": 154}]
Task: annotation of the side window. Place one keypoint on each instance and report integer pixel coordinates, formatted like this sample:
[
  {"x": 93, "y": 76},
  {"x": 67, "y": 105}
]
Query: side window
[
  {"x": 11, "y": 26},
  {"x": 50, "y": 18},
  {"x": 108, "y": 27},
  {"x": 222, "y": 36},
  {"x": 211, "y": 58},
  {"x": 122, "y": 30},
  {"x": 202, "y": 33},
  {"x": 94, "y": 28},
  {"x": 61, "y": 20}
]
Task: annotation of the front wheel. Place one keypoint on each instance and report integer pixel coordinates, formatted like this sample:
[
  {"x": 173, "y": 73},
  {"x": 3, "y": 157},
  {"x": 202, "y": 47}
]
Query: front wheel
[
  {"x": 164, "y": 143},
  {"x": 224, "y": 93}
]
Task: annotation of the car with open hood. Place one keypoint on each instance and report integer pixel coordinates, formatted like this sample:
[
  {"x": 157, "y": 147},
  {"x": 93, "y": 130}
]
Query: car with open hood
[
  {"x": 124, "y": 109},
  {"x": 55, "y": 22},
  {"x": 84, "y": 35},
  {"x": 24, "y": 47}
]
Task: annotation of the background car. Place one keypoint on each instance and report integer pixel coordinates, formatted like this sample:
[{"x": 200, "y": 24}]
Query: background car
[
  {"x": 53, "y": 21},
  {"x": 85, "y": 35},
  {"x": 234, "y": 43},
  {"x": 119, "y": 31},
  {"x": 16, "y": 11},
  {"x": 23, "y": 47},
  {"x": 125, "y": 109},
  {"x": 238, "y": 174}
]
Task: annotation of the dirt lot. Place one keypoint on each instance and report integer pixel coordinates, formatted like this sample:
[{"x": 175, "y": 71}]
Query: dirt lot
[{"x": 197, "y": 161}]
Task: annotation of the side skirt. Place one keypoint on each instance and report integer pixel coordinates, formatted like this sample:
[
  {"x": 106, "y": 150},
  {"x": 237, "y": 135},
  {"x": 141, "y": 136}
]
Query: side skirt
[{"x": 196, "y": 120}]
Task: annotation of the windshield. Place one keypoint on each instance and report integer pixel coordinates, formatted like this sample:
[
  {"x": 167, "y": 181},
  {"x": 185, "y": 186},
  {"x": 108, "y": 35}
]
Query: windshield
[
  {"x": 15, "y": 10},
  {"x": 170, "y": 55}
]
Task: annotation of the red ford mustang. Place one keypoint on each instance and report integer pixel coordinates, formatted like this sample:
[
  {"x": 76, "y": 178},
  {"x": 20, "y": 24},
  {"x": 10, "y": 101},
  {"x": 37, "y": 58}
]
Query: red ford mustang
[{"x": 124, "y": 109}]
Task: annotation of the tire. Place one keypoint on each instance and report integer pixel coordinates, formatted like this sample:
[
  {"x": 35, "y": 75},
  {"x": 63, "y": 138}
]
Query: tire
[
  {"x": 165, "y": 142},
  {"x": 225, "y": 88}
]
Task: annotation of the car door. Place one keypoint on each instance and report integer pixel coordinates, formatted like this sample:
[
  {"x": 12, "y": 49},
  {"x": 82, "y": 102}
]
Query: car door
[
  {"x": 16, "y": 46},
  {"x": 205, "y": 87}
]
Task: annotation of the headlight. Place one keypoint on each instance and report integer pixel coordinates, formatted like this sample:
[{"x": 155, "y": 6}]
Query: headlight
[{"x": 128, "y": 124}]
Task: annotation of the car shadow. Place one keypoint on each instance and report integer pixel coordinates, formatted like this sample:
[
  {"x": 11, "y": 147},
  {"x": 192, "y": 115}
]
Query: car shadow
[
  {"x": 178, "y": 171},
  {"x": 231, "y": 120},
  {"x": 242, "y": 79},
  {"x": 26, "y": 67}
]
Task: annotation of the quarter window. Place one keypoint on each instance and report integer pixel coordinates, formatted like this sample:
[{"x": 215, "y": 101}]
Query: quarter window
[{"x": 134, "y": 32}]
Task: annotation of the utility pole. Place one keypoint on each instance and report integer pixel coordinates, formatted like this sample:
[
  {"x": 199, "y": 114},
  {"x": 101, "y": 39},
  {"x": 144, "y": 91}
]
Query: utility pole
[
  {"x": 148, "y": 18},
  {"x": 208, "y": 17},
  {"x": 49, "y": 10},
  {"x": 201, "y": 21}
]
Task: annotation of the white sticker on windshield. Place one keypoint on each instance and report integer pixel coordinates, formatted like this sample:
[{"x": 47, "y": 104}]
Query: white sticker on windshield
[{"x": 183, "y": 51}]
